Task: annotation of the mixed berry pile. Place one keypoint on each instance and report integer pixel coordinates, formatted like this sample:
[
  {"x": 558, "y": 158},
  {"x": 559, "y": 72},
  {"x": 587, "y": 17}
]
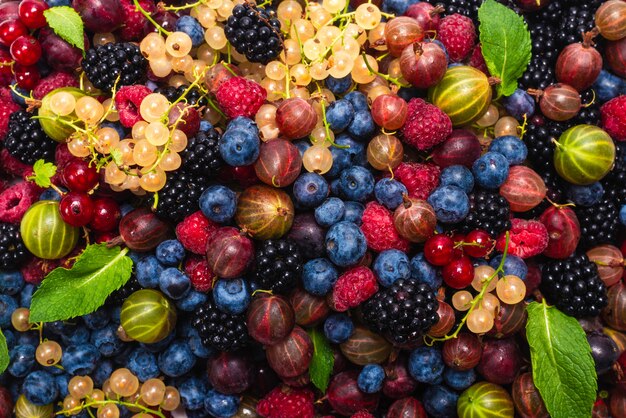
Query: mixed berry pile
[{"x": 326, "y": 208}]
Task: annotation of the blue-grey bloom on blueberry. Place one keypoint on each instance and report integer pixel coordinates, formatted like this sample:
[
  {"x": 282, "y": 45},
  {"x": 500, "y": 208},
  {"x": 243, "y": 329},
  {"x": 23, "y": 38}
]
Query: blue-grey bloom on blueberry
[
  {"x": 170, "y": 252},
  {"x": 177, "y": 359},
  {"x": 218, "y": 203},
  {"x": 80, "y": 359},
  {"x": 40, "y": 388},
  {"x": 219, "y": 405},
  {"x": 338, "y": 328},
  {"x": 232, "y": 296},
  {"x": 339, "y": 114},
  {"x": 362, "y": 125},
  {"x": 354, "y": 212},
  {"x": 426, "y": 364},
  {"x": 450, "y": 203},
  {"x": 345, "y": 244},
  {"x": 513, "y": 148},
  {"x": 106, "y": 340},
  {"x": 513, "y": 265},
  {"x": 7, "y": 305},
  {"x": 391, "y": 265},
  {"x": 21, "y": 360},
  {"x": 389, "y": 192},
  {"x": 440, "y": 402},
  {"x": 191, "y": 27},
  {"x": 174, "y": 283},
  {"x": 587, "y": 195},
  {"x": 192, "y": 301},
  {"x": 459, "y": 380},
  {"x": 490, "y": 170},
  {"x": 457, "y": 175},
  {"x": 310, "y": 190},
  {"x": 330, "y": 212},
  {"x": 143, "y": 364},
  {"x": 147, "y": 271},
  {"x": 371, "y": 378},
  {"x": 192, "y": 392},
  {"x": 11, "y": 282},
  {"x": 318, "y": 276},
  {"x": 358, "y": 100},
  {"x": 357, "y": 183},
  {"x": 338, "y": 85},
  {"x": 239, "y": 146}
]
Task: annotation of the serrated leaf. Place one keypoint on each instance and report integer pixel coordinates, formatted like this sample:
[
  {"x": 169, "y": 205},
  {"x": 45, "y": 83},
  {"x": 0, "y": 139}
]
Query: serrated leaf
[
  {"x": 42, "y": 173},
  {"x": 66, "y": 23},
  {"x": 506, "y": 44},
  {"x": 4, "y": 353},
  {"x": 562, "y": 366},
  {"x": 322, "y": 362},
  {"x": 67, "y": 293}
]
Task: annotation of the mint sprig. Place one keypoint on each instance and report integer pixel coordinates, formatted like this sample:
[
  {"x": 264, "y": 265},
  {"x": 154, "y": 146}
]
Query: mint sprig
[{"x": 322, "y": 362}]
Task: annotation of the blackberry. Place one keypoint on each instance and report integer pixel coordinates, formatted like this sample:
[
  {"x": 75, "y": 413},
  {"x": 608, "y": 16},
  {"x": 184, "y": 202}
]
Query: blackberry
[
  {"x": 403, "y": 312},
  {"x": 539, "y": 73},
  {"x": 278, "y": 265},
  {"x": 538, "y": 139},
  {"x": 615, "y": 182},
  {"x": 218, "y": 329},
  {"x": 574, "y": 286},
  {"x": 254, "y": 32},
  {"x": 26, "y": 140},
  {"x": 193, "y": 97},
  {"x": 13, "y": 252},
  {"x": 118, "y": 297},
  {"x": 179, "y": 197},
  {"x": 589, "y": 114},
  {"x": 598, "y": 223},
  {"x": 488, "y": 211},
  {"x": 202, "y": 155},
  {"x": 467, "y": 8},
  {"x": 576, "y": 20},
  {"x": 104, "y": 63}
]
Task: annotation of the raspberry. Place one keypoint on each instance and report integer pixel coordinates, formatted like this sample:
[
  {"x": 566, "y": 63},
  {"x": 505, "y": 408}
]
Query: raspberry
[
  {"x": 614, "y": 117},
  {"x": 426, "y": 125},
  {"x": 362, "y": 414},
  {"x": 7, "y": 106},
  {"x": 379, "y": 230},
  {"x": 238, "y": 96},
  {"x": 11, "y": 165},
  {"x": 477, "y": 60},
  {"x": 194, "y": 231},
  {"x": 287, "y": 402},
  {"x": 199, "y": 272},
  {"x": 135, "y": 24},
  {"x": 419, "y": 179},
  {"x": 352, "y": 288},
  {"x": 16, "y": 200},
  {"x": 37, "y": 268},
  {"x": 62, "y": 155},
  {"x": 458, "y": 35},
  {"x": 527, "y": 238},
  {"x": 54, "y": 81},
  {"x": 127, "y": 102}
]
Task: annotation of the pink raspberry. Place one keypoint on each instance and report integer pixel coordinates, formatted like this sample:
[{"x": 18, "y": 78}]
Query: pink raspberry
[
  {"x": 194, "y": 232},
  {"x": 16, "y": 200},
  {"x": 11, "y": 165},
  {"x": 477, "y": 60},
  {"x": 419, "y": 179},
  {"x": 362, "y": 414},
  {"x": 199, "y": 272},
  {"x": 54, "y": 81},
  {"x": 379, "y": 230},
  {"x": 614, "y": 117},
  {"x": 239, "y": 96},
  {"x": 426, "y": 125},
  {"x": 352, "y": 288},
  {"x": 287, "y": 402},
  {"x": 527, "y": 238},
  {"x": 135, "y": 24},
  {"x": 62, "y": 155},
  {"x": 35, "y": 270},
  {"x": 7, "y": 106},
  {"x": 458, "y": 34},
  {"x": 127, "y": 102}
]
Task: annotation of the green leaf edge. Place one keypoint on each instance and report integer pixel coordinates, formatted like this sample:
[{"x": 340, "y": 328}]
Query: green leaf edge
[
  {"x": 316, "y": 337},
  {"x": 4, "y": 353},
  {"x": 80, "y": 44}
]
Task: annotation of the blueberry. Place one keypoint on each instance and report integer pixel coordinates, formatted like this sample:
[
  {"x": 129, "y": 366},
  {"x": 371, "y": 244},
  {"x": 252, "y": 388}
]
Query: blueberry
[
  {"x": 330, "y": 212},
  {"x": 389, "y": 192},
  {"x": 440, "y": 402},
  {"x": 585, "y": 195},
  {"x": 61, "y": 382},
  {"x": 177, "y": 359},
  {"x": 338, "y": 85},
  {"x": 10, "y": 337},
  {"x": 397, "y": 7},
  {"x": 170, "y": 252},
  {"x": 362, "y": 125},
  {"x": 607, "y": 86},
  {"x": 338, "y": 328},
  {"x": 357, "y": 183},
  {"x": 191, "y": 27},
  {"x": 425, "y": 272},
  {"x": 80, "y": 359},
  {"x": 7, "y": 305},
  {"x": 30, "y": 338},
  {"x": 310, "y": 190},
  {"x": 11, "y": 282},
  {"x": 391, "y": 265},
  {"x": 174, "y": 283},
  {"x": 302, "y": 145},
  {"x": 354, "y": 212},
  {"x": 232, "y": 296},
  {"x": 143, "y": 364},
  {"x": 205, "y": 125},
  {"x": 426, "y": 364},
  {"x": 107, "y": 341},
  {"x": 115, "y": 125},
  {"x": 192, "y": 301},
  {"x": 195, "y": 344},
  {"x": 75, "y": 335},
  {"x": 450, "y": 203},
  {"x": 97, "y": 319},
  {"x": 358, "y": 100},
  {"x": 339, "y": 114},
  {"x": 490, "y": 170},
  {"x": 57, "y": 3},
  {"x": 345, "y": 244},
  {"x": 513, "y": 265},
  {"x": 519, "y": 104},
  {"x": 218, "y": 203},
  {"x": 192, "y": 393},
  {"x": 319, "y": 276},
  {"x": 148, "y": 270},
  {"x": 22, "y": 360},
  {"x": 50, "y": 194},
  {"x": 349, "y": 153},
  {"x": 219, "y": 405},
  {"x": 622, "y": 214},
  {"x": 239, "y": 146},
  {"x": 241, "y": 122},
  {"x": 459, "y": 176},
  {"x": 513, "y": 148},
  {"x": 371, "y": 378},
  {"x": 459, "y": 380},
  {"x": 40, "y": 388},
  {"x": 102, "y": 372},
  {"x": 161, "y": 345}
]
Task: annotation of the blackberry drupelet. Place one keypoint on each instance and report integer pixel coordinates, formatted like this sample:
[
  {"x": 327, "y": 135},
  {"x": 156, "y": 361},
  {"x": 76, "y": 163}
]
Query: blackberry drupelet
[
  {"x": 13, "y": 252},
  {"x": 488, "y": 211},
  {"x": 278, "y": 265},
  {"x": 598, "y": 223},
  {"x": 104, "y": 63},
  {"x": 119, "y": 296},
  {"x": 615, "y": 182},
  {"x": 589, "y": 114},
  {"x": 254, "y": 32},
  {"x": 576, "y": 20},
  {"x": 193, "y": 97},
  {"x": 202, "y": 155},
  {"x": 540, "y": 71},
  {"x": 218, "y": 329},
  {"x": 574, "y": 286},
  {"x": 467, "y": 8},
  {"x": 538, "y": 139},
  {"x": 180, "y": 195},
  {"x": 403, "y": 312},
  {"x": 26, "y": 140}
]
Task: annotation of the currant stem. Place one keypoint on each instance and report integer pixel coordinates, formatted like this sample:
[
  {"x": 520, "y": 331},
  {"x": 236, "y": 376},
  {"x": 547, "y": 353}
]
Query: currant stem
[
  {"x": 385, "y": 76},
  {"x": 82, "y": 406}
]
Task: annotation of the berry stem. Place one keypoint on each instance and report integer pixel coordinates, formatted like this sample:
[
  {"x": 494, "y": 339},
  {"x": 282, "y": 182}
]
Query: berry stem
[
  {"x": 395, "y": 81},
  {"x": 90, "y": 404},
  {"x": 162, "y": 6},
  {"x": 150, "y": 19}
]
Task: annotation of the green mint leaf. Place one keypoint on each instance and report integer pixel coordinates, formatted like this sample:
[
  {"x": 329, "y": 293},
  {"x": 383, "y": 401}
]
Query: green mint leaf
[
  {"x": 563, "y": 369},
  {"x": 322, "y": 362},
  {"x": 66, "y": 23},
  {"x": 506, "y": 44},
  {"x": 4, "y": 353},
  {"x": 67, "y": 293},
  {"x": 42, "y": 173}
]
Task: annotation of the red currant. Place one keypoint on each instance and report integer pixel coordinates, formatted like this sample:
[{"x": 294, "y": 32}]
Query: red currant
[
  {"x": 26, "y": 77},
  {"x": 458, "y": 249},
  {"x": 26, "y": 50},
  {"x": 78, "y": 176},
  {"x": 77, "y": 209},
  {"x": 6, "y": 74},
  {"x": 107, "y": 215},
  {"x": 10, "y": 30},
  {"x": 104, "y": 236},
  {"x": 458, "y": 273},
  {"x": 438, "y": 250},
  {"x": 31, "y": 13},
  {"x": 480, "y": 244}
]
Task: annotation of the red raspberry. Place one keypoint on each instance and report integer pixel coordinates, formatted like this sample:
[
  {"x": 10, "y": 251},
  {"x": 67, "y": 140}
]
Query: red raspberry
[
  {"x": 199, "y": 272},
  {"x": 527, "y": 238},
  {"x": 54, "y": 81},
  {"x": 16, "y": 200},
  {"x": 36, "y": 269},
  {"x": 62, "y": 155},
  {"x": 614, "y": 117},
  {"x": 477, "y": 60},
  {"x": 379, "y": 230},
  {"x": 239, "y": 96},
  {"x": 127, "y": 102},
  {"x": 353, "y": 287},
  {"x": 458, "y": 34},
  {"x": 7, "y": 106},
  {"x": 194, "y": 232},
  {"x": 426, "y": 125},
  {"x": 135, "y": 24},
  {"x": 287, "y": 402},
  {"x": 419, "y": 179},
  {"x": 362, "y": 414},
  {"x": 11, "y": 165}
]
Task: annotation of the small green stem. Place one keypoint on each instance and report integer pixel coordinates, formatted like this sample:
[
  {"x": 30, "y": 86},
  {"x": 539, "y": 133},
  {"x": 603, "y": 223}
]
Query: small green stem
[
  {"x": 385, "y": 76},
  {"x": 150, "y": 19},
  {"x": 184, "y": 7},
  {"x": 90, "y": 404}
]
